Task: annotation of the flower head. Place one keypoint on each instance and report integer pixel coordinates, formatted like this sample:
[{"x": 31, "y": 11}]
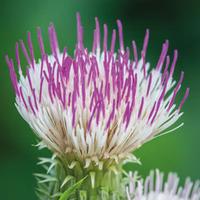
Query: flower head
[
  {"x": 155, "y": 188},
  {"x": 95, "y": 106}
]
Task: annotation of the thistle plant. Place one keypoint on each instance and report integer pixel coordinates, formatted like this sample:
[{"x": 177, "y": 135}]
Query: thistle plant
[
  {"x": 153, "y": 187},
  {"x": 93, "y": 109}
]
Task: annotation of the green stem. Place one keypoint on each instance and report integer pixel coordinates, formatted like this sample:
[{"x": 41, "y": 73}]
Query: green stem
[{"x": 100, "y": 184}]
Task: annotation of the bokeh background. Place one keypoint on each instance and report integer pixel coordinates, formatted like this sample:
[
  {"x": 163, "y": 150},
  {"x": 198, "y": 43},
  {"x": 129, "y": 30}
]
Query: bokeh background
[{"x": 176, "y": 20}]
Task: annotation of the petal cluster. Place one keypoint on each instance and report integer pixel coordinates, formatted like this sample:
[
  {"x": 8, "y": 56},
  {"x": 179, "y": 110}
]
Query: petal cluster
[
  {"x": 99, "y": 105},
  {"x": 153, "y": 187}
]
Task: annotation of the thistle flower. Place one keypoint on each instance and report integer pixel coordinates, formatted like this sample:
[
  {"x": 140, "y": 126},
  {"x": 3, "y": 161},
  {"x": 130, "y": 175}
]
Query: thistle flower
[
  {"x": 98, "y": 106},
  {"x": 153, "y": 187},
  {"x": 93, "y": 109}
]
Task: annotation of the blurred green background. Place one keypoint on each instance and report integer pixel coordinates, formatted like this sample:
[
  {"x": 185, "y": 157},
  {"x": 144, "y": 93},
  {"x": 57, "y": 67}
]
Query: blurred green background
[{"x": 176, "y": 20}]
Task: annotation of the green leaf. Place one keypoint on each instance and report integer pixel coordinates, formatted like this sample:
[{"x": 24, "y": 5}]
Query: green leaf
[
  {"x": 45, "y": 160},
  {"x": 42, "y": 191},
  {"x": 51, "y": 167},
  {"x": 83, "y": 195},
  {"x": 56, "y": 195},
  {"x": 92, "y": 177},
  {"x": 65, "y": 195},
  {"x": 104, "y": 194},
  {"x": 40, "y": 196},
  {"x": 46, "y": 178},
  {"x": 68, "y": 178}
]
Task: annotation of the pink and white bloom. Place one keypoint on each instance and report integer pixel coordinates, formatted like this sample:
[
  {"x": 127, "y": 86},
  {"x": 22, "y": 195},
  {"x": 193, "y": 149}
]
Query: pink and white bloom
[
  {"x": 97, "y": 106},
  {"x": 153, "y": 187}
]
